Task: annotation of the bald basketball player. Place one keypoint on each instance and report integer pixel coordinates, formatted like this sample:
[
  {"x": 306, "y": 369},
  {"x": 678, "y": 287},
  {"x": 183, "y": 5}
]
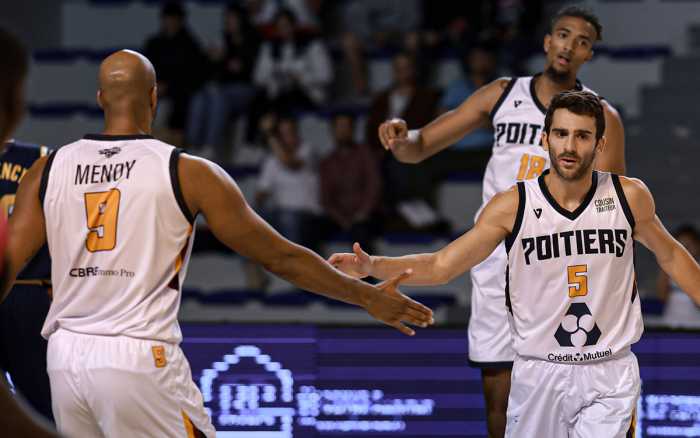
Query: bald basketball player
[
  {"x": 118, "y": 211},
  {"x": 17, "y": 420}
]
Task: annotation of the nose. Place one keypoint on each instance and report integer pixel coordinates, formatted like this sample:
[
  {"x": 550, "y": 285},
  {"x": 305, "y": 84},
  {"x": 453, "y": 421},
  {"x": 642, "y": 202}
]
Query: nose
[{"x": 570, "y": 144}]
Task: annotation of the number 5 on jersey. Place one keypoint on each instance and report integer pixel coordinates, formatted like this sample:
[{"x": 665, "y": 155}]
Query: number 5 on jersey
[
  {"x": 578, "y": 280},
  {"x": 102, "y": 211}
]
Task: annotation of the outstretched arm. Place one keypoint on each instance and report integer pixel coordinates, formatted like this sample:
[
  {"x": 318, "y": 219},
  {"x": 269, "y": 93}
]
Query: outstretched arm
[
  {"x": 673, "y": 258},
  {"x": 495, "y": 223},
  {"x": 417, "y": 145},
  {"x": 26, "y": 227},
  {"x": 209, "y": 190},
  {"x": 612, "y": 157}
]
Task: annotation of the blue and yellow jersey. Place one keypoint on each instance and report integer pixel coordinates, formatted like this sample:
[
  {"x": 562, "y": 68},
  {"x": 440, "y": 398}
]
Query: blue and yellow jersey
[{"x": 15, "y": 161}]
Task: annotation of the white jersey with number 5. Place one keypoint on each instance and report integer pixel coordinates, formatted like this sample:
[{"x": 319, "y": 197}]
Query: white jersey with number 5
[
  {"x": 518, "y": 121},
  {"x": 119, "y": 235},
  {"x": 570, "y": 284}
]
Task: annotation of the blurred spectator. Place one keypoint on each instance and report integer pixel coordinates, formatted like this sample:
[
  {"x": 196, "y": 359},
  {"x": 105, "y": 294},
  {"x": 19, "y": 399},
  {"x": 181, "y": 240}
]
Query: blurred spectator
[
  {"x": 351, "y": 184},
  {"x": 478, "y": 69},
  {"x": 515, "y": 23},
  {"x": 417, "y": 105},
  {"x": 231, "y": 91},
  {"x": 375, "y": 25},
  {"x": 263, "y": 12},
  {"x": 457, "y": 25},
  {"x": 472, "y": 152},
  {"x": 181, "y": 64},
  {"x": 288, "y": 188},
  {"x": 294, "y": 71},
  {"x": 679, "y": 309}
]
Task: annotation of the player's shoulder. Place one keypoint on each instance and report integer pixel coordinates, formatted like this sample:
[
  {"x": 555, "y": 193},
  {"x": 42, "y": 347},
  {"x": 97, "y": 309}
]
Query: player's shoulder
[
  {"x": 632, "y": 186},
  {"x": 637, "y": 195},
  {"x": 507, "y": 201}
]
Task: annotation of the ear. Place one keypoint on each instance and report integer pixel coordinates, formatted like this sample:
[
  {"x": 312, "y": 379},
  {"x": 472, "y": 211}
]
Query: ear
[
  {"x": 590, "y": 56},
  {"x": 545, "y": 141},
  {"x": 154, "y": 98},
  {"x": 600, "y": 147},
  {"x": 547, "y": 42},
  {"x": 99, "y": 99}
]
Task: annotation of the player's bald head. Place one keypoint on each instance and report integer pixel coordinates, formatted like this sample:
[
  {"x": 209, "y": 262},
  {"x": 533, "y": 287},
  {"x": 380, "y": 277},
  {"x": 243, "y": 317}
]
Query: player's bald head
[{"x": 126, "y": 78}]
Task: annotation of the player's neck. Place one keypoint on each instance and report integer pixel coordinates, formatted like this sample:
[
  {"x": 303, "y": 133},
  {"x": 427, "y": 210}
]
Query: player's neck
[
  {"x": 568, "y": 194},
  {"x": 126, "y": 127},
  {"x": 546, "y": 88}
]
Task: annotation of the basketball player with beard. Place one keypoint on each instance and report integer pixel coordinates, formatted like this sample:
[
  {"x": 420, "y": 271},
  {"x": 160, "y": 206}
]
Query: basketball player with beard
[
  {"x": 571, "y": 293},
  {"x": 515, "y": 108}
]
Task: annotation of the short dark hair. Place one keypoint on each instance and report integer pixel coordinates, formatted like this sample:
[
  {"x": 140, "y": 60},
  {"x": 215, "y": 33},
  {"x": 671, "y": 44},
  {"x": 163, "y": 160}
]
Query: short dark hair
[
  {"x": 14, "y": 64},
  {"x": 582, "y": 103},
  {"x": 578, "y": 12}
]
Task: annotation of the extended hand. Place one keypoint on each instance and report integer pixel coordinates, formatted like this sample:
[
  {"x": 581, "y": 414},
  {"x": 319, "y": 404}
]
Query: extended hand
[
  {"x": 357, "y": 264},
  {"x": 393, "y": 134},
  {"x": 393, "y": 308}
]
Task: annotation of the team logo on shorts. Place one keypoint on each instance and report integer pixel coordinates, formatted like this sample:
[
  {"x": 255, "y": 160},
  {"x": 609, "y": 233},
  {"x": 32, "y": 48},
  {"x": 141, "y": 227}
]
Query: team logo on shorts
[
  {"x": 577, "y": 329},
  {"x": 109, "y": 153}
]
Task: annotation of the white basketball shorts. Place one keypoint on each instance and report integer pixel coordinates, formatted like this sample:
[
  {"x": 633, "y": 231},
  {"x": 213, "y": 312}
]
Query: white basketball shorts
[
  {"x": 116, "y": 386},
  {"x": 553, "y": 400},
  {"x": 490, "y": 341}
]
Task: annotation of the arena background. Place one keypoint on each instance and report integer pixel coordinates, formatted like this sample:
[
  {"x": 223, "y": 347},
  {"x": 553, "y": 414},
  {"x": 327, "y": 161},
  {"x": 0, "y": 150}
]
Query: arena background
[{"x": 277, "y": 362}]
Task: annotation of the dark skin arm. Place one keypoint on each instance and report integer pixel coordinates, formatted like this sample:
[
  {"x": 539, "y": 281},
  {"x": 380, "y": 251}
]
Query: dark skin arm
[
  {"x": 206, "y": 188},
  {"x": 209, "y": 190},
  {"x": 417, "y": 145}
]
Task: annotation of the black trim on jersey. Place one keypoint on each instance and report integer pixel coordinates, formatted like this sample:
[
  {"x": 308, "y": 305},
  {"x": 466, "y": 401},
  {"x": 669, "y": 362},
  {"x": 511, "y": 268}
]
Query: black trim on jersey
[
  {"x": 509, "y": 306},
  {"x": 108, "y": 137},
  {"x": 499, "y": 102},
  {"x": 623, "y": 200},
  {"x": 533, "y": 92},
  {"x": 498, "y": 365},
  {"x": 175, "y": 182},
  {"x": 45, "y": 177},
  {"x": 571, "y": 215},
  {"x": 518, "y": 216}
]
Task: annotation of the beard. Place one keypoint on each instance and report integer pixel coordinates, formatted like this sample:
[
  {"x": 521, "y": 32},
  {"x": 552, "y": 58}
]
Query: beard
[
  {"x": 584, "y": 165},
  {"x": 559, "y": 77}
]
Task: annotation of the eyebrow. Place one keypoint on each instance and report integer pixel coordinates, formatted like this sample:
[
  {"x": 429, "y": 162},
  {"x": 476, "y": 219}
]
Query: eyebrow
[
  {"x": 578, "y": 131},
  {"x": 581, "y": 35}
]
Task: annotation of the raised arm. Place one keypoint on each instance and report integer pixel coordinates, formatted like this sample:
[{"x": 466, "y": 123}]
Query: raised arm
[
  {"x": 416, "y": 145},
  {"x": 673, "y": 258},
  {"x": 209, "y": 190},
  {"x": 26, "y": 227},
  {"x": 495, "y": 223},
  {"x": 612, "y": 157}
]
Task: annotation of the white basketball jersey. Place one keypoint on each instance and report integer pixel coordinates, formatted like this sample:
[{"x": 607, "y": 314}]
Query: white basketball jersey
[
  {"x": 518, "y": 121},
  {"x": 570, "y": 283},
  {"x": 119, "y": 235}
]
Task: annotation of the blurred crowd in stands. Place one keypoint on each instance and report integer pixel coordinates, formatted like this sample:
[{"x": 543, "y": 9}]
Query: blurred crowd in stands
[{"x": 280, "y": 59}]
